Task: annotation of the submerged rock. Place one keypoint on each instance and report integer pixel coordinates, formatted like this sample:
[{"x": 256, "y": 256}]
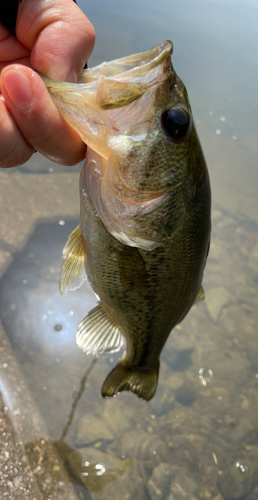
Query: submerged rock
[
  {"x": 163, "y": 400},
  {"x": 92, "y": 429},
  {"x": 127, "y": 487},
  {"x": 253, "y": 261},
  {"x": 92, "y": 468},
  {"x": 145, "y": 447},
  {"x": 238, "y": 481},
  {"x": 186, "y": 395},
  {"x": 158, "y": 485},
  {"x": 169, "y": 482},
  {"x": 100, "y": 469},
  {"x": 178, "y": 360},
  {"x": 254, "y": 494},
  {"x": 105, "y": 476},
  {"x": 182, "y": 489},
  {"x": 118, "y": 416},
  {"x": 171, "y": 421},
  {"x": 215, "y": 299}
]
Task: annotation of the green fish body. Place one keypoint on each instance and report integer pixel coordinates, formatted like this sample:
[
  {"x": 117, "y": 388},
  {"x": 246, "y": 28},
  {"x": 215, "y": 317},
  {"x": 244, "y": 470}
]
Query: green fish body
[{"x": 145, "y": 224}]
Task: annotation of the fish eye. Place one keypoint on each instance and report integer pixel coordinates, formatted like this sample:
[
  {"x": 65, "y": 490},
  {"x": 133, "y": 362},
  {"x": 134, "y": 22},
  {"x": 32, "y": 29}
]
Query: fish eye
[{"x": 175, "y": 123}]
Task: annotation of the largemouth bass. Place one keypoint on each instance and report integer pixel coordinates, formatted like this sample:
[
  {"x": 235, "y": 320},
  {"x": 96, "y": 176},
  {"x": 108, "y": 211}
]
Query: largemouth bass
[{"x": 144, "y": 230}]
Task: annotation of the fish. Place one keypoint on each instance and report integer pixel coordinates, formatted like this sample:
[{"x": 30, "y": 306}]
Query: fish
[{"x": 145, "y": 211}]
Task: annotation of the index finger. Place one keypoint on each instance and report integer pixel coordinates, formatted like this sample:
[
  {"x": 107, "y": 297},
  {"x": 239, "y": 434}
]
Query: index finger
[{"x": 59, "y": 35}]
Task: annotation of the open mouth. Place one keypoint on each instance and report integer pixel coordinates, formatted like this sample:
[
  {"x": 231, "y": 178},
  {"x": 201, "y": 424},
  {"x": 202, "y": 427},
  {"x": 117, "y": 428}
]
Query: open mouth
[{"x": 129, "y": 67}]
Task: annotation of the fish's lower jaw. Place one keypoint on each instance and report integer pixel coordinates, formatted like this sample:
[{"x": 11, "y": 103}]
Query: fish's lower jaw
[{"x": 121, "y": 378}]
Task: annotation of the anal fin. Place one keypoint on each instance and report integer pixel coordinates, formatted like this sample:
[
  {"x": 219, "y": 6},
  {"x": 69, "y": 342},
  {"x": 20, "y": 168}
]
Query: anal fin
[
  {"x": 73, "y": 269},
  {"x": 98, "y": 333},
  {"x": 122, "y": 378},
  {"x": 200, "y": 295}
]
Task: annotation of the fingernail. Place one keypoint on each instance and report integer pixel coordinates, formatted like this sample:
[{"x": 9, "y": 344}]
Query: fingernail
[
  {"x": 72, "y": 77},
  {"x": 18, "y": 88}
]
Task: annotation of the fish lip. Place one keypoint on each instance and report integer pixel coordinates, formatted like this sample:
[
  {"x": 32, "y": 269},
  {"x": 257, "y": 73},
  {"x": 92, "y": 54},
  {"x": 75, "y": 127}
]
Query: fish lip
[{"x": 132, "y": 65}]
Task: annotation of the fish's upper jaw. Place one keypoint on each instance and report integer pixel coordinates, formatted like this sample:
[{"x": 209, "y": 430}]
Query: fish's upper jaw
[{"x": 130, "y": 67}]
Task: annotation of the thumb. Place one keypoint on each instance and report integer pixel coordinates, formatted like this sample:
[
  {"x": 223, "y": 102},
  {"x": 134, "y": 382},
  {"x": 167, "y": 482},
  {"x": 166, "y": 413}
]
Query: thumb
[{"x": 59, "y": 35}]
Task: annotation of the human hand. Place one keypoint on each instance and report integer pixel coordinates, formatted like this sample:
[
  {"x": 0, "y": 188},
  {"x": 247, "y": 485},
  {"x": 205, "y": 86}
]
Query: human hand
[{"x": 56, "y": 39}]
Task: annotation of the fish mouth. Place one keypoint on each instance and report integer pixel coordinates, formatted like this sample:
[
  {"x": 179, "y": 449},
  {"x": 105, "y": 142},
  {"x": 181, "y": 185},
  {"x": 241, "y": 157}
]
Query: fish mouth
[
  {"x": 119, "y": 82},
  {"x": 110, "y": 85},
  {"x": 126, "y": 68},
  {"x": 129, "y": 67},
  {"x": 122, "y": 81}
]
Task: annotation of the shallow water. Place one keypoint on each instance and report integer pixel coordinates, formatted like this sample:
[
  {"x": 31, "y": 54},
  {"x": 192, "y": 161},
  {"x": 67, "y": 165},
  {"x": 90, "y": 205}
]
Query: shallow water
[{"x": 197, "y": 438}]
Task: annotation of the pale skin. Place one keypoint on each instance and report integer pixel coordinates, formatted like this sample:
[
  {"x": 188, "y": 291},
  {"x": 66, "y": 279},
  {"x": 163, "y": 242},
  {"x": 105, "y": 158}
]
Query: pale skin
[{"x": 54, "y": 38}]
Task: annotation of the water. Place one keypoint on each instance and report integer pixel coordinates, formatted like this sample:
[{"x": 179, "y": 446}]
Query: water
[{"x": 197, "y": 438}]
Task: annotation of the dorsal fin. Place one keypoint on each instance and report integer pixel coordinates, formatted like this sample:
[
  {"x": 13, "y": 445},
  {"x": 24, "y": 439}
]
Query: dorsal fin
[{"x": 73, "y": 269}]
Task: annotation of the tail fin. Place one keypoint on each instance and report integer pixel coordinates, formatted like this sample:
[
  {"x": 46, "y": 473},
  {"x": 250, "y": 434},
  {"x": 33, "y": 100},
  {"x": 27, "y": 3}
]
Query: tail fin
[{"x": 121, "y": 378}]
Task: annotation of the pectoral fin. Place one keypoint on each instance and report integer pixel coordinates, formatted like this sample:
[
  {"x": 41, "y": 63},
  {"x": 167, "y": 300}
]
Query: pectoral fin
[
  {"x": 122, "y": 378},
  {"x": 98, "y": 333},
  {"x": 73, "y": 270},
  {"x": 200, "y": 296}
]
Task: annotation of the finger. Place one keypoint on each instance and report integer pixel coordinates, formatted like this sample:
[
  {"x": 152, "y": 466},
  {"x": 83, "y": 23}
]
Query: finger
[
  {"x": 23, "y": 60},
  {"x": 11, "y": 49},
  {"x": 59, "y": 35},
  {"x": 14, "y": 149},
  {"x": 38, "y": 118}
]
